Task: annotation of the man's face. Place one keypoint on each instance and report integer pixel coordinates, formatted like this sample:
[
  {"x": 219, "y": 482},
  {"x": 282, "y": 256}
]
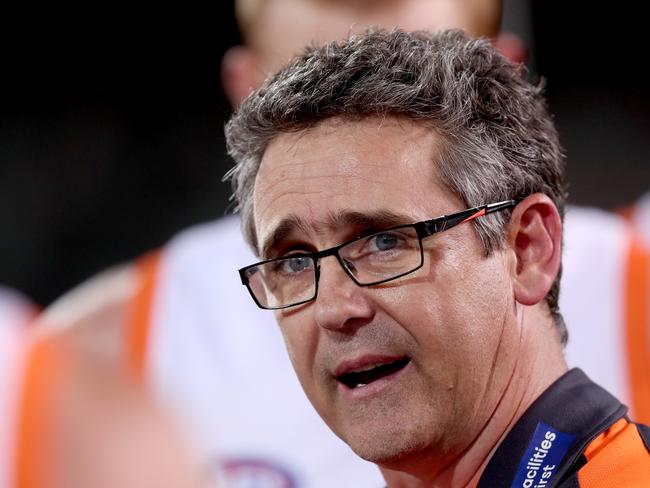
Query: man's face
[
  {"x": 286, "y": 26},
  {"x": 444, "y": 339}
]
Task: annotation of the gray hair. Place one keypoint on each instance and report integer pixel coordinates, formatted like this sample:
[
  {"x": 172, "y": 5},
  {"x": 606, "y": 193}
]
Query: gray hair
[{"x": 499, "y": 141}]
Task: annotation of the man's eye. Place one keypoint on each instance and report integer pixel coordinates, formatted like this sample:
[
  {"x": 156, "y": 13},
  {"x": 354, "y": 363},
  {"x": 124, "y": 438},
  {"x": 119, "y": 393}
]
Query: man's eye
[
  {"x": 295, "y": 265},
  {"x": 384, "y": 242}
]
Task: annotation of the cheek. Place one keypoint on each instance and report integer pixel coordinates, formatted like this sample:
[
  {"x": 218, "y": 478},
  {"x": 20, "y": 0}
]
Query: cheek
[
  {"x": 479, "y": 309},
  {"x": 457, "y": 310},
  {"x": 301, "y": 341},
  {"x": 478, "y": 304}
]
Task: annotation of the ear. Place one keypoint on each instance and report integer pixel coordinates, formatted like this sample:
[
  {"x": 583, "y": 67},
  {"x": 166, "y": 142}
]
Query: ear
[
  {"x": 511, "y": 46},
  {"x": 535, "y": 235},
  {"x": 239, "y": 73}
]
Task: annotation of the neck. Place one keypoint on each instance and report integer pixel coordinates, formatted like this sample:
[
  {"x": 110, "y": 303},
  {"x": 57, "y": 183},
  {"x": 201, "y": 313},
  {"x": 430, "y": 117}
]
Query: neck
[{"x": 539, "y": 361}]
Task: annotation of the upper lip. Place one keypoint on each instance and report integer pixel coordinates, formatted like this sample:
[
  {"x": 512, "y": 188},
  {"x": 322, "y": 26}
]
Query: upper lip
[{"x": 365, "y": 362}]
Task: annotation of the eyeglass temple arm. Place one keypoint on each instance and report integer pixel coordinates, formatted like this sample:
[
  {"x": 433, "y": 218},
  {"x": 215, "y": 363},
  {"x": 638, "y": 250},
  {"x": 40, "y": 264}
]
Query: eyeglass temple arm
[{"x": 448, "y": 221}]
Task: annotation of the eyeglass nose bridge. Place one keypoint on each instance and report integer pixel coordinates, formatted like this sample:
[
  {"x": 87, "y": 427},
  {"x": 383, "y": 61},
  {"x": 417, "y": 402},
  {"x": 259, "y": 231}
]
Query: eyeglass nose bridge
[{"x": 341, "y": 261}]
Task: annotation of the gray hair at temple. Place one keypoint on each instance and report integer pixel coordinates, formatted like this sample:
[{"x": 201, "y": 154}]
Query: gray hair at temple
[{"x": 498, "y": 139}]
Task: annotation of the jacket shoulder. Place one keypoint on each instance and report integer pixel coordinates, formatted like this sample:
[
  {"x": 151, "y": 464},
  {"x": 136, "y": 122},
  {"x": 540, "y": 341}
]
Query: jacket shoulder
[{"x": 617, "y": 457}]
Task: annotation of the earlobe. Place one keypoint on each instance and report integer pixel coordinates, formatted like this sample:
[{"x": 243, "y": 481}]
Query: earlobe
[
  {"x": 535, "y": 235},
  {"x": 239, "y": 73}
]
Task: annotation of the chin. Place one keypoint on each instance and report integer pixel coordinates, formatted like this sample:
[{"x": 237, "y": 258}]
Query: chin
[{"x": 391, "y": 447}]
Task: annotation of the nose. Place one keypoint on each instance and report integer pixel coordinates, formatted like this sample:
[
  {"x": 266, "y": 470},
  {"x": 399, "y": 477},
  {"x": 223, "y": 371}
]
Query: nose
[{"x": 341, "y": 304}]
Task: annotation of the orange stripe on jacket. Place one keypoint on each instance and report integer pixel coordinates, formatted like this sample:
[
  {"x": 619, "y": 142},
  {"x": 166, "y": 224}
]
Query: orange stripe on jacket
[
  {"x": 140, "y": 313},
  {"x": 617, "y": 457},
  {"x": 637, "y": 320},
  {"x": 45, "y": 368}
]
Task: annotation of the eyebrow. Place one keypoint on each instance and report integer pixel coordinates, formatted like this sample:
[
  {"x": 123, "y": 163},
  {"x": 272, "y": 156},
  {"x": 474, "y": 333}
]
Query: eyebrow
[{"x": 369, "y": 221}]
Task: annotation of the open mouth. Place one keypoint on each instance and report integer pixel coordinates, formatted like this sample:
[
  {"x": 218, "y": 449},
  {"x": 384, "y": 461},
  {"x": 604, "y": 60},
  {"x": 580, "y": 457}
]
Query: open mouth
[{"x": 356, "y": 379}]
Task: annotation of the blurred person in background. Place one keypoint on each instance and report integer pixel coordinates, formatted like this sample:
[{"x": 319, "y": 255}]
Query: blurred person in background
[
  {"x": 69, "y": 421},
  {"x": 180, "y": 319}
]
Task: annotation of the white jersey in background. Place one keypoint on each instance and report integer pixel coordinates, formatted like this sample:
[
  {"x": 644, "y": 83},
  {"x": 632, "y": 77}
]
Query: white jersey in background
[{"x": 605, "y": 301}]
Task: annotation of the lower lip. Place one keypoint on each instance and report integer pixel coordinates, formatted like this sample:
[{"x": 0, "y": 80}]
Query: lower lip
[{"x": 374, "y": 388}]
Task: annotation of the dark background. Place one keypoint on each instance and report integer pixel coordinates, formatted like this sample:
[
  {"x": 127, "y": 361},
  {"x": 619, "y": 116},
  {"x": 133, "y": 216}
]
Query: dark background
[{"x": 111, "y": 127}]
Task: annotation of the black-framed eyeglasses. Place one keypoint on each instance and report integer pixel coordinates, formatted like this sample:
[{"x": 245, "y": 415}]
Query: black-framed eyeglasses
[{"x": 369, "y": 260}]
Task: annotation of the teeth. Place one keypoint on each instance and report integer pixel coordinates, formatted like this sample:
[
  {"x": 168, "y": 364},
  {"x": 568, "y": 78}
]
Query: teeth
[
  {"x": 373, "y": 366},
  {"x": 359, "y": 385}
]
